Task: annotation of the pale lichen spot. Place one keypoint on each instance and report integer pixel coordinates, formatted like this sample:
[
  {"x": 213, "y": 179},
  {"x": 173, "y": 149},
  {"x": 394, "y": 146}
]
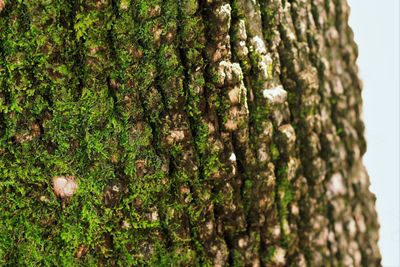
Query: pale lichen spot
[
  {"x": 276, "y": 231},
  {"x": 242, "y": 50},
  {"x": 154, "y": 216},
  {"x": 241, "y": 32},
  {"x": 234, "y": 95},
  {"x": 175, "y": 136},
  {"x": 224, "y": 11},
  {"x": 276, "y": 95},
  {"x": 64, "y": 186},
  {"x": 125, "y": 225},
  {"x": 279, "y": 256},
  {"x": 338, "y": 228},
  {"x": 115, "y": 188},
  {"x": 209, "y": 226},
  {"x": 351, "y": 227},
  {"x": 295, "y": 209},
  {"x": 229, "y": 73},
  {"x": 265, "y": 66},
  {"x": 258, "y": 44},
  {"x": 242, "y": 243},
  {"x": 337, "y": 86},
  {"x": 336, "y": 185},
  {"x": 124, "y": 4},
  {"x": 44, "y": 199},
  {"x": 262, "y": 154},
  {"x": 331, "y": 237}
]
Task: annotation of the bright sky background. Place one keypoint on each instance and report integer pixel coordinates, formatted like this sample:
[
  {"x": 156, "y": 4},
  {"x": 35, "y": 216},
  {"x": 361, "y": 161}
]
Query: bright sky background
[{"x": 376, "y": 29}]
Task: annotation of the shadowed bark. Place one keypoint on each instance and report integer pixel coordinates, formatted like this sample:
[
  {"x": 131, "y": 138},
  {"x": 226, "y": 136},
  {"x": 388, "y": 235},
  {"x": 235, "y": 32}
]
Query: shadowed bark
[{"x": 182, "y": 133}]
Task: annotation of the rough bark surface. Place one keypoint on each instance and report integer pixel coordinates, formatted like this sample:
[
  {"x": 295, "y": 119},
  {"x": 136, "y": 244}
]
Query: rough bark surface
[{"x": 182, "y": 133}]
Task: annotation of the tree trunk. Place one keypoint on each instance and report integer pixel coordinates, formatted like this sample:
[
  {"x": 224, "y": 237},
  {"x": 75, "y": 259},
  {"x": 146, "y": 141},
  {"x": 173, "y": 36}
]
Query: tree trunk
[{"x": 197, "y": 133}]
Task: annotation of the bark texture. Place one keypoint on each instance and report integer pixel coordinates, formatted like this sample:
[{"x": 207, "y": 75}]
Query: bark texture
[{"x": 182, "y": 133}]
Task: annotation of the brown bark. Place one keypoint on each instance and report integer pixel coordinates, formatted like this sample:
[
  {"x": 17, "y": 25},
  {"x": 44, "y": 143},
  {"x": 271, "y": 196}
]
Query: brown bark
[{"x": 222, "y": 133}]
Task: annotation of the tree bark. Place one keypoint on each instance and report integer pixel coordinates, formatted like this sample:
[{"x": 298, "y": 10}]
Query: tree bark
[{"x": 198, "y": 133}]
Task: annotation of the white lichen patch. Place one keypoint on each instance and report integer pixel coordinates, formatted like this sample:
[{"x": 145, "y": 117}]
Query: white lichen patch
[
  {"x": 175, "y": 136},
  {"x": 258, "y": 45},
  {"x": 276, "y": 95},
  {"x": 154, "y": 216},
  {"x": 237, "y": 74},
  {"x": 125, "y": 225},
  {"x": 279, "y": 256},
  {"x": 241, "y": 30},
  {"x": 288, "y": 134},
  {"x": 276, "y": 232},
  {"x": 295, "y": 209},
  {"x": 262, "y": 154},
  {"x": 242, "y": 243},
  {"x": 242, "y": 50},
  {"x": 336, "y": 185},
  {"x": 224, "y": 12},
  {"x": 64, "y": 186},
  {"x": 115, "y": 188},
  {"x": 229, "y": 73},
  {"x": 265, "y": 66}
]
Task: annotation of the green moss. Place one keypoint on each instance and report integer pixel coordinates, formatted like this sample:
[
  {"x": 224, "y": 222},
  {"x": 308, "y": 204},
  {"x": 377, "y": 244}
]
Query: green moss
[
  {"x": 66, "y": 92},
  {"x": 260, "y": 114},
  {"x": 274, "y": 151},
  {"x": 270, "y": 254},
  {"x": 340, "y": 131},
  {"x": 237, "y": 10},
  {"x": 284, "y": 198},
  {"x": 211, "y": 165},
  {"x": 164, "y": 257},
  {"x": 268, "y": 13},
  {"x": 237, "y": 259}
]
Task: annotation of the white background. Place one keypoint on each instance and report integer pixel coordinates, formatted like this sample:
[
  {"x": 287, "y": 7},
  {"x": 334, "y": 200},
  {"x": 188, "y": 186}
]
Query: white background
[{"x": 376, "y": 28}]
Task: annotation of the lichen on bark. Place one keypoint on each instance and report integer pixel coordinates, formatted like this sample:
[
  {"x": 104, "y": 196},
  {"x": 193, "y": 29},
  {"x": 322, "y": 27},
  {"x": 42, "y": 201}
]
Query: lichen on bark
[{"x": 200, "y": 133}]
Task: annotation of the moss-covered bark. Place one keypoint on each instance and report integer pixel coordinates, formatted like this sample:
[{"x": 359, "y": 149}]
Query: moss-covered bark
[{"x": 200, "y": 133}]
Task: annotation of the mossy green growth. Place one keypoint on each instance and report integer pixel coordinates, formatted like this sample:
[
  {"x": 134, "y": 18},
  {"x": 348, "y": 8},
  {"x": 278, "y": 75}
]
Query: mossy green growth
[
  {"x": 274, "y": 151},
  {"x": 211, "y": 165},
  {"x": 237, "y": 259},
  {"x": 269, "y": 21},
  {"x": 269, "y": 254},
  {"x": 163, "y": 257},
  {"x": 63, "y": 89},
  {"x": 284, "y": 198}
]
